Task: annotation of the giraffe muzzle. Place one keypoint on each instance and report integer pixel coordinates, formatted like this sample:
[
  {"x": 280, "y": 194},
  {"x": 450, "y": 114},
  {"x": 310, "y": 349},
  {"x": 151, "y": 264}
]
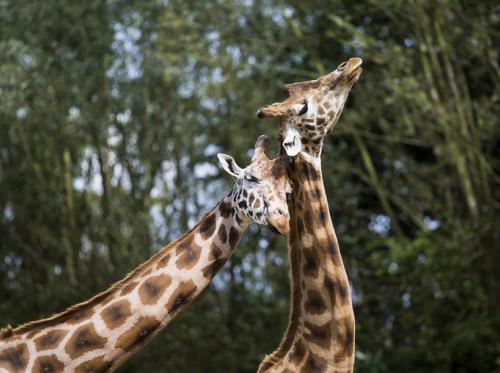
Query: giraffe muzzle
[
  {"x": 281, "y": 224},
  {"x": 292, "y": 143}
]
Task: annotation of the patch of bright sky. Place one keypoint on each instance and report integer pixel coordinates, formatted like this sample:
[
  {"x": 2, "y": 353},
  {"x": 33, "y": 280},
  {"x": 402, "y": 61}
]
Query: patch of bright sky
[
  {"x": 89, "y": 163},
  {"x": 124, "y": 116},
  {"x": 205, "y": 169},
  {"x": 431, "y": 224},
  {"x": 8, "y": 212},
  {"x": 211, "y": 150},
  {"x": 159, "y": 221},
  {"x": 21, "y": 112},
  {"x": 13, "y": 261},
  {"x": 355, "y": 296},
  {"x": 392, "y": 267},
  {"x": 398, "y": 167},
  {"x": 380, "y": 224},
  {"x": 406, "y": 300},
  {"x": 85, "y": 247},
  {"x": 128, "y": 54},
  {"x": 410, "y": 42},
  {"x": 213, "y": 38},
  {"x": 73, "y": 113},
  {"x": 27, "y": 61},
  {"x": 57, "y": 270},
  {"x": 436, "y": 290}
]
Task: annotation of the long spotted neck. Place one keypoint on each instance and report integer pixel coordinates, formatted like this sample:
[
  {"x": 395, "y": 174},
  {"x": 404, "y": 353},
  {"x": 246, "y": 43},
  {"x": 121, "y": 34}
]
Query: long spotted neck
[
  {"x": 320, "y": 333},
  {"x": 100, "y": 334}
]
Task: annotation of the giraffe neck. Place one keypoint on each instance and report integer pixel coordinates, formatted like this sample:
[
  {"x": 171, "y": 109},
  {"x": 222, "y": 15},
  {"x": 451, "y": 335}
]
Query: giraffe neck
[
  {"x": 100, "y": 334},
  {"x": 320, "y": 333}
]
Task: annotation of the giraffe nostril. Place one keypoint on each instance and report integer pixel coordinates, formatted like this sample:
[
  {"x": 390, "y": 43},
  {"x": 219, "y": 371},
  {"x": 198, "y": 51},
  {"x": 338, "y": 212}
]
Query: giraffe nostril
[{"x": 290, "y": 143}]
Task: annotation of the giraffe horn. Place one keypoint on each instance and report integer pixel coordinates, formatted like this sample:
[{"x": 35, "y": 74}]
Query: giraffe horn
[{"x": 261, "y": 147}]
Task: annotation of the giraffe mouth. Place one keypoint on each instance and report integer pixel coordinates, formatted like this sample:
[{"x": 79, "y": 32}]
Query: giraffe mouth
[
  {"x": 279, "y": 225},
  {"x": 355, "y": 74},
  {"x": 274, "y": 229},
  {"x": 355, "y": 70},
  {"x": 292, "y": 143}
]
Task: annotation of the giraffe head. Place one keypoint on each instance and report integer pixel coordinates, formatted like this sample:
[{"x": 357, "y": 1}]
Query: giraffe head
[
  {"x": 261, "y": 188},
  {"x": 312, "y": 108}
]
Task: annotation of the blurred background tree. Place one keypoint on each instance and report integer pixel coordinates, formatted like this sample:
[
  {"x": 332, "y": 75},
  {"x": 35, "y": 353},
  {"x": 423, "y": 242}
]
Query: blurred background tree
[{"x": 111, "y": 113}]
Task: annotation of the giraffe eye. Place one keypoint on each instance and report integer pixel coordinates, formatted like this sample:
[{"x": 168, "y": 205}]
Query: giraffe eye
[
  {"x": 304, "y": 108},
  {"x": 252, "y": 179},
  {"x": 342, "y": 66}
]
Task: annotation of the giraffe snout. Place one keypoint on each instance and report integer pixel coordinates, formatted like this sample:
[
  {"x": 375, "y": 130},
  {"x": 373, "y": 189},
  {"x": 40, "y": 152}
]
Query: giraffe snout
[{"x": 280, "y": 221}]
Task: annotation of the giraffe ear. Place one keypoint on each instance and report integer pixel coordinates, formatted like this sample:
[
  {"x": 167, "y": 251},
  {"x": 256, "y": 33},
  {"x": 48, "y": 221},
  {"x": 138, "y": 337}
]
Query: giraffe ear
[{"x": 230, "y": 165}]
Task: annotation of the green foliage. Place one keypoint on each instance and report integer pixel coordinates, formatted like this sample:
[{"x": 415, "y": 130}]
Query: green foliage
[{"x": 111, "y": 113}]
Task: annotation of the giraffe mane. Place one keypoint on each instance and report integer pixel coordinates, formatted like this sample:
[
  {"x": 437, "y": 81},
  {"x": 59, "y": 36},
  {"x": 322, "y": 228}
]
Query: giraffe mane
[{"x": 8, "y": 331}]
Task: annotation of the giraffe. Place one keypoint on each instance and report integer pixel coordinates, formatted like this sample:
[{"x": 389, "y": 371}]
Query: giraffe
[
  {"x": 321, "y": 329},
  {"x": 101, "y": 333}
]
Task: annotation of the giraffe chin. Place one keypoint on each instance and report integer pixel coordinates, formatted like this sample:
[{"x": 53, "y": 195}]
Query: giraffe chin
[{"x": 279, "y": 225}]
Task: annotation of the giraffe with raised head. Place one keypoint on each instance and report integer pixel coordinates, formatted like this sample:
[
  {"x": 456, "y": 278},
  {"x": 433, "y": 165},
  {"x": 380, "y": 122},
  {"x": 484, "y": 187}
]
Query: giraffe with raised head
[
  {"x": 101, "y": 333},
  {"x": 321, "y": 329}
]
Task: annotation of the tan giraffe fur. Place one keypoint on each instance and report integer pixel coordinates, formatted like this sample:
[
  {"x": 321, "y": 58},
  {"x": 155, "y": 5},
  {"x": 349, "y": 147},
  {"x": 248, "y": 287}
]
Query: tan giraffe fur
[
  {"x": 321, "y": 330},
  {"x": 101, "y": 333}
]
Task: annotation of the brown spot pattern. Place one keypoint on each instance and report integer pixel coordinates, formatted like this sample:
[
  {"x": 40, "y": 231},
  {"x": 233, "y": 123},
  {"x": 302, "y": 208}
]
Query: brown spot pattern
[
  {"x": 314, "y": 303},
  {"x": 138, "y": 334},
  {"x": 225, "y": 210},
  {"x": 222, "y": 234},
  {"x": 207, "y": 227},
  {"x": 309, "y": 172},
  {"x": 300, "y": 227},
  {"x": 188, "y": 254},
  {"x": 215, "y": 252},
  {"x": 128, "y": 288},
  {"x": 181, "y": 296},
  {"x": 336, "y": 287},
  {"x": 345, "y": 338},
  {"x": 321, "y": 217},
  {"x": 50, "y": 339},
  {"x": 33, "y": 333},
  {"x": 80, "y": 315},
  {"x": 96, "y": 365},
  {"x": 163, "y": 262},
  {"x": 116, "y": 314},
  {"x": 297, "y": 353},
  {"x": 153, "y": 288},
  {"x": 15, "y": 359},
  {"x": 210, "y": 270},
  {"x": 308, "y": 220},
  {"x": 318, "y": 334},
  {"x": 48, "y": 364},
  {"x": 314, "y": 364},
  {"x": 234, "y": 236},
  {"x": 83, "y": 340},
  {"x": 311, "y": 263}
]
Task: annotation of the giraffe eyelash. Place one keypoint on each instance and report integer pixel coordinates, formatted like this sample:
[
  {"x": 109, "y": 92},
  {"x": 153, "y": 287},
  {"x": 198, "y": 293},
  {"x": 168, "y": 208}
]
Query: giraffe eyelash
[
  {"x": 304, "y": 108},
  {"x": 252, "y": 179}
]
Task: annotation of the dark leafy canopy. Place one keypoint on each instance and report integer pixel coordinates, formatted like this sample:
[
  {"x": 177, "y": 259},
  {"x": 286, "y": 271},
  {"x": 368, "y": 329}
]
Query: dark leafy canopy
[{"x": 111, "y": 113}]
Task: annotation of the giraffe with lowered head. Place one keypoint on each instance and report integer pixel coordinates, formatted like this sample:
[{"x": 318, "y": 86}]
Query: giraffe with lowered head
[
  {"x": 321, "y": 329},
  {"x": 101, "y": 333}
]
